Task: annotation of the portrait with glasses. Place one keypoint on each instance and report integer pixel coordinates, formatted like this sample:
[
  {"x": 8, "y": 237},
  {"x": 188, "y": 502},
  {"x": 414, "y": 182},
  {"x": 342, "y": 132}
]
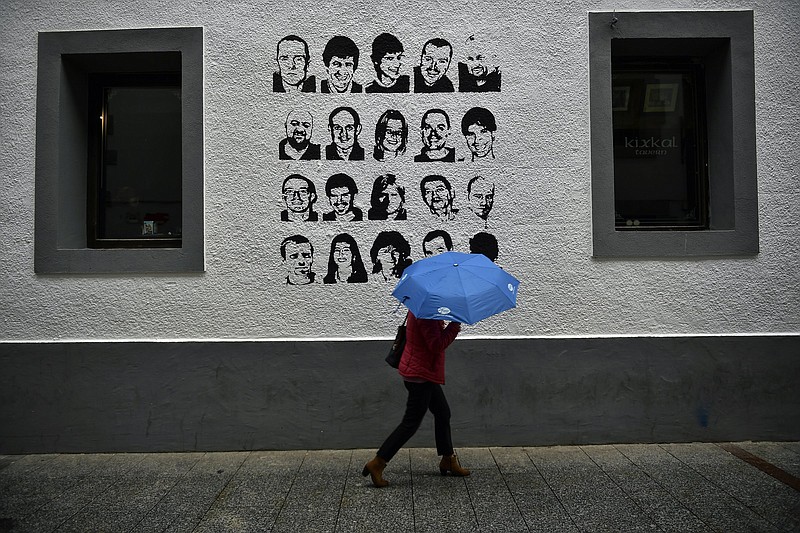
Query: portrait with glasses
[{"x": 299, "y": 195}]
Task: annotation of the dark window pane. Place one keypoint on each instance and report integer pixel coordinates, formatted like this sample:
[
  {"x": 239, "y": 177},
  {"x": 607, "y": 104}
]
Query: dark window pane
[{"x": 659, "y": 147}]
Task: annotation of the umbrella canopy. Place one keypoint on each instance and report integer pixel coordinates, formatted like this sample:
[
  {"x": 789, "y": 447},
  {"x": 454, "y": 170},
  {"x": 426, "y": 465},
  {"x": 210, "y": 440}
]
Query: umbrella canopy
[{"x": 456, "y": 286}]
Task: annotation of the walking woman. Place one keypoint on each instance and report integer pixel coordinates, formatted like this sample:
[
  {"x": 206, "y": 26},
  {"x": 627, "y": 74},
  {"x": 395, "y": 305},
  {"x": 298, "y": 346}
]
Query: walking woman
[{"x": 422, "y": 369}]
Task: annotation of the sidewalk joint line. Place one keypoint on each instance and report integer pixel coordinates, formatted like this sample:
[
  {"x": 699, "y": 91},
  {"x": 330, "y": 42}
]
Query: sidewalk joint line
[{"x": 510, "y": 492}]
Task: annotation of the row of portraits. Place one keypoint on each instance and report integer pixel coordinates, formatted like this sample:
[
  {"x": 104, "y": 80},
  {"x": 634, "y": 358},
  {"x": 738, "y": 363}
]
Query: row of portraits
[
  {"x": 389, "y": 254},
  {"x": 387, "y": 201},
  {"x": 478, "y": 70},
  {"x": 391, "y": 139}
]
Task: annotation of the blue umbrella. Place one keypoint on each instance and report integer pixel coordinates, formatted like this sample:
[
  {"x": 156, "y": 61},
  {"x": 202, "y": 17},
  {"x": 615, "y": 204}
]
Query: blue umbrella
[{"x": 456, "y": 286}]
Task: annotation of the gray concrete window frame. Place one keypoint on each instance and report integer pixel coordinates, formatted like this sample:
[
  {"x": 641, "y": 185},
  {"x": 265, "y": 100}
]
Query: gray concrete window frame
[
  {"x": 725, "y": 41},
  {"x": 64, "y": 61}
]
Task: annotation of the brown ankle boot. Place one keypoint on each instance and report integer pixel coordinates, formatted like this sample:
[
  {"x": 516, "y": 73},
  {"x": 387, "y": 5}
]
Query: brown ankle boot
[
  {"x": 450, "y": 464},
  {"x": 374, "y": 469}
]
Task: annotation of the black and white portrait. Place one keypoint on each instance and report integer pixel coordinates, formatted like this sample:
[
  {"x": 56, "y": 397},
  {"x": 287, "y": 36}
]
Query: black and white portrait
[
  {"x": 391, "y": 136},
  {"x": 388, "y": 199},
  {"x": 484, "y": 243},
  {"x": 387, "y": 59},
  {"x": 390, "y": 255},
  {"x": 299, "y": 195},
  {"x": 341, "y": 191},
  {"x": 437, "y": 242},
  {"x": 344, "y": 125},
  {"x": 480, "y": 197},
  {"x": 297, "y": 144},
  {"x": 438, "y": 195},
  {"x": 292, "y": 76},
  {"x": 344, "y": 262},
  {"x": 478, "y": 71},
  {"x": 479, "y": 127},
  {"x": 431, "y": 74},
  {"x": 435, "y": 131},
  {"x": 298, "y": 260},
  {"x": 340, "y": 58}
]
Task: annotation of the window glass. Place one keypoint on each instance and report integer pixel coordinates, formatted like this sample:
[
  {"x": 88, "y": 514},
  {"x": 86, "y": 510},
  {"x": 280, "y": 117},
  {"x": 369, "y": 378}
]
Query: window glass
[
  {"x": 659, "y": 146},
  {"x": 136, "y": 187}
]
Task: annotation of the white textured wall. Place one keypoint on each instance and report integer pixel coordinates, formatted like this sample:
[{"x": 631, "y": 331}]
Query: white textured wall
[{"x": 542, "y": 174}]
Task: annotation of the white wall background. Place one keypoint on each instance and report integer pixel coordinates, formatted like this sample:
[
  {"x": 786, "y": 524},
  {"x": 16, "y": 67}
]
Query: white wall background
[{"x": 542, "y": 173}]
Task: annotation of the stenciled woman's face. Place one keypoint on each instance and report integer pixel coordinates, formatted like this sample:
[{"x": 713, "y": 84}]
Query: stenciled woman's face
[
  {"x": 388, "y": 256},
  {"x": 342, "y": 254},
  {"x": 393, "y": 138},
  {"x": 391, "y": 197}
]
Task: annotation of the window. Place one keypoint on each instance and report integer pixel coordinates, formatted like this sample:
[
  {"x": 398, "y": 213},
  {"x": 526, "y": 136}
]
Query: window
[
  {"x": 672, "y": 108},
  {"x": 121, "y": 193}
]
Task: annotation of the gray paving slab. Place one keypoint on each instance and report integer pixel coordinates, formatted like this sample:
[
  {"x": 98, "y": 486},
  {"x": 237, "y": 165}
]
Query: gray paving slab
[
  {"x": 775, "y": 503},
  {"x": 775, "y": 453},
  {"x": 590, "y": 497},
  {"x": 667, "y": 513},
  {"x": 441, "y": 503},
  {"x": 716, "y": 508},
  {"x": 538, "y": 504}
]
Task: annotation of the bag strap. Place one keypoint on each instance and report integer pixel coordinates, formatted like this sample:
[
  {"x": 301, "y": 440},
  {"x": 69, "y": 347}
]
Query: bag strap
[{"x": 404, "y": 320}]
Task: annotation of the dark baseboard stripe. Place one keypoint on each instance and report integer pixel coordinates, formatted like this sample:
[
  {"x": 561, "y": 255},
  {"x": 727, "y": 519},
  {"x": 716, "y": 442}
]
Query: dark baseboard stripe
[{"x": 768, "y": 468}]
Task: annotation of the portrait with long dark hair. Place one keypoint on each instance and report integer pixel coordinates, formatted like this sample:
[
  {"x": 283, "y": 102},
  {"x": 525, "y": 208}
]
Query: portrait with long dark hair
[{"x": 344, "y": 262}]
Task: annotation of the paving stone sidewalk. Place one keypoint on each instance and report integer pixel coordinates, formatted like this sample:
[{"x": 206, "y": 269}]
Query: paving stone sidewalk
[{"x": 654, "y": 487}]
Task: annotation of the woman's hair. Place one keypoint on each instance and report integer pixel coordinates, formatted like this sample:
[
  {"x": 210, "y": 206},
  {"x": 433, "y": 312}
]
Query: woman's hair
[
  {"x": 399, "y": 243},
  {"x": 379, "y": 203},
  {"x": 359, "y": 274},
  {"x": 380, "y": 132}
]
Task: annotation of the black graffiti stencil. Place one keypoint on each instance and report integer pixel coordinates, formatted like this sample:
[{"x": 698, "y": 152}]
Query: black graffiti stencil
[
  {"x": 484, "y": 243},
  {"x": 340, "y": 58},
  {"x": 292, "y": 57},
  {"x": 388, "y": 199},
  {"x": 439, "y": 195},
  {"x": 344, "y": 262},
  {"x": 435, "y": 131},
  {"x": 298, "y": 259},
  {"x": 479, "y": 70},
  {"x": 341, "y": 191},
  {"x": 478, "y": 127},
  {"x": 297, "y": 144},
  {"x": 480, "y": 198},
  {"x": 391, "y": 136},
  {"x": 390, "y": 255},
  {"x": 299, "y": 195},
  {"x": 388, "y": 57},
  {"x": 344, "y": 126},
  {"x": 431, "y": 74},
  {"x": 437, "y": 242}
]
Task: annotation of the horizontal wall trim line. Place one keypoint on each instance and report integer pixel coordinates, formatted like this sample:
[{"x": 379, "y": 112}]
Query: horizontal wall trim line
[{"x": 387, "y": 338}]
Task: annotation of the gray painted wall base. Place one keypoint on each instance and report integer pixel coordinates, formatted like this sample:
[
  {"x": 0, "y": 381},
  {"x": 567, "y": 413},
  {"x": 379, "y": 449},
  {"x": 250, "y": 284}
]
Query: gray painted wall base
[{"x": 148, "y": 396}]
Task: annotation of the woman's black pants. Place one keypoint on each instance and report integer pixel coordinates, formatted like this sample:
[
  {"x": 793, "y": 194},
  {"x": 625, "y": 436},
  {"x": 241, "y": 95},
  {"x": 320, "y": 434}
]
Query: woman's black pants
[{"x": 421, "y": 398}]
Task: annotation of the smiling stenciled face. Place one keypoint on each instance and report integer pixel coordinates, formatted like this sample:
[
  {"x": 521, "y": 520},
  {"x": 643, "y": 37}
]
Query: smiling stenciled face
[
  {"x": 393, "y": 138},
  {"x": 344, "y": 130},
  {"x": 299, "y": 125},
  {"x": 388, "y": 257},
  {"x": 341, "y": 200},
  {"x": 479, "y": 140},
  {"x": 390, "y": 65},
  {"x": 476, "y": 60},
  {"x": 340, "y": 72},
  {"x": 292, "y": 61},
  {"x": 434, "y": 62},
  {"x": 391, "y": 197},
  {"x": 435, "y": 131},
  {"x": 437, "y": 196},
  {"x": 296, "y": 195},
  {"x": 342, "y": 254}
]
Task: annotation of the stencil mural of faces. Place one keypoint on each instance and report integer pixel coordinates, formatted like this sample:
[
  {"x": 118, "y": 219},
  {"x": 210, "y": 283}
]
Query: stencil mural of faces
[
  {"x": 478, "y": 126},
  {"x": 388, "y": 57},
  {"x": 297, "y": 144},
  {"x": 298, "y": 260},
  {"x": 341, "y": 191},
  {"x": 299, "y": 195},
  {"x": 292, "y": 57},
  {"x": 480, "y": 197},
  {"x": 391, "y": 136},
  {"x": 344, "y": 125},
  {"x": 340, "y": 58},
  {"x": 438, "y": 195},
  {"x": 390, "y": 254},
  {"x": 479, "y": 71},
  {"x": 388, "y": 199},
  {"x": 484, "y": 243},
  {"x": 431, "y": 74},
  {"x": 437, "y": 242},
  {"x": 344, "y": 262},
  {"x": 435, "y": 130}
]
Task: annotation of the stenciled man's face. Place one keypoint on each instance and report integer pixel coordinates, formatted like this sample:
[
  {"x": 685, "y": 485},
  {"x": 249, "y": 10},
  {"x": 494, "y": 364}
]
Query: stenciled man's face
[
  {"x": 434, "y": 63},
  {"x": 299, "y": 259},
  {"x": 476, "y": 61},
  {"x": 435, "y": 131},
  {"x": 340, "y": 72},
  {"x": 296, "y": 195},
  {"x": 344, "y": 131},
  {"x": 437, "y": 196},
  {"x": 434, "y": 246},
  {"x": 481, "y": 197},
  {"x": 390, "y": 65},
  {"x": 394, "y": 135},
  {"x": 341, "y": 200},
  {"x": 292, "y": 62},
  {"x": 299, "y": 125},
  {"x": 479, "y": 140}
]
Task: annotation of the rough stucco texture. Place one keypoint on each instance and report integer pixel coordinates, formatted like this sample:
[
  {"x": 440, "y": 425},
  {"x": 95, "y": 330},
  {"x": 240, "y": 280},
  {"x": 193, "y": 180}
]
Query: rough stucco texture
[{"x": 542, "y": 174}]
